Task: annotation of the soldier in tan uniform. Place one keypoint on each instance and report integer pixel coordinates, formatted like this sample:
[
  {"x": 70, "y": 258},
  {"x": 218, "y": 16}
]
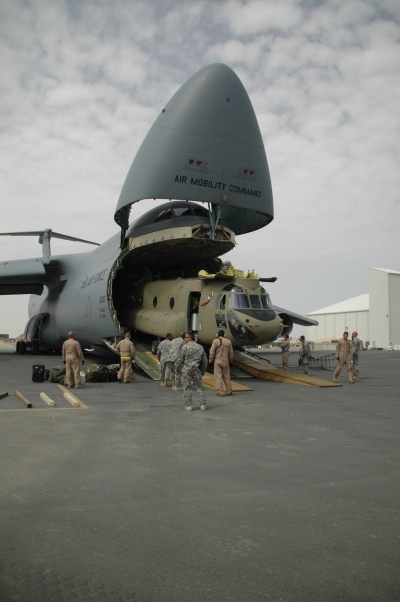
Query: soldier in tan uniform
[
  {"x": 343, "y": 355},
  {"x": 72, "y": 353},
  {"x": 221, "y": 353},
  {"x": 285, "y": 346},
  {"x": 127, "y": 352}
]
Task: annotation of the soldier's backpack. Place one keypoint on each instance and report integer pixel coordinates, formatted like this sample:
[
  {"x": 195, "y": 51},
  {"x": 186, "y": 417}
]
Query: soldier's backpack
[
  {"x": 103, "y": 374},
  {"x": 92, "y": 373},
  {"x": 57, "y": 375},
  {"x": 113, "y": 370}
]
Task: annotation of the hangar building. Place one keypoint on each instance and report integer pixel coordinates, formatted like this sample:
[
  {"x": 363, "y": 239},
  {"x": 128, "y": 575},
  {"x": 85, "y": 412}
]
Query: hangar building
[{"x": 374, "y": 315}]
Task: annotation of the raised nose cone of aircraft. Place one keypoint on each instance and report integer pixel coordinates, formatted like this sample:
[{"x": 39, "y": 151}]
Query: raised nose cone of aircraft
[{"x": 205, "y": 145}]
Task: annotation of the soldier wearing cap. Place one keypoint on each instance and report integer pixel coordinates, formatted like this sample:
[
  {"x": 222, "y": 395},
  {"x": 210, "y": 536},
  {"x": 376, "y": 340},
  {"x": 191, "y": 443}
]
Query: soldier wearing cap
[
  {"x": 163, "y": 357},
  {"x": 305, "y": 354},
  {"x": 174, "y": 351},
  {"x": 193, "y": 362},
  {"x": 355, "y": 345},
  {"x": 285, "y": 346}
]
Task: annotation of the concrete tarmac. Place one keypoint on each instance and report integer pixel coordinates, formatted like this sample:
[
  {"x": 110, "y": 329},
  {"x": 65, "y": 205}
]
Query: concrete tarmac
[{"x": 286, "y": 493}]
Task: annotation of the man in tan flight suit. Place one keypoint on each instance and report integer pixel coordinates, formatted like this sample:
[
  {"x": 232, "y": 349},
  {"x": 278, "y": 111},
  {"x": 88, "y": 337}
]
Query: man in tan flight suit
[
  {"x": 72, "y": 353},
  {"x": 221, "y": 353},
  {"x": 127, "y": 352},
  {"x": 285, "y": 346},
  {"x": 343, "y": 355}
]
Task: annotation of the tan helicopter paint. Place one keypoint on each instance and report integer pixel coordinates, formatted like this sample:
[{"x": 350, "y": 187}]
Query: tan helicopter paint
[{"x": 155, "y": 317}]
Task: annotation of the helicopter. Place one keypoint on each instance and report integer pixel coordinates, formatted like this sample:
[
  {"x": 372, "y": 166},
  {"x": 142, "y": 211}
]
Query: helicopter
[{"x": 163, "y": 272}]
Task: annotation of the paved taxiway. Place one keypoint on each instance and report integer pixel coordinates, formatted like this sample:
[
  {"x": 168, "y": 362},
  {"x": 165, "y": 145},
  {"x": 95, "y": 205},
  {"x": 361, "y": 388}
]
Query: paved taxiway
[{"x": 286, "y": 493}]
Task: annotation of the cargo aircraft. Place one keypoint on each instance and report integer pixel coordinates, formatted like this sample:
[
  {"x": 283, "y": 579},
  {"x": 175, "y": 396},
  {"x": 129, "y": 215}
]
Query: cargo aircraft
[{"x": 163, "y": 272}]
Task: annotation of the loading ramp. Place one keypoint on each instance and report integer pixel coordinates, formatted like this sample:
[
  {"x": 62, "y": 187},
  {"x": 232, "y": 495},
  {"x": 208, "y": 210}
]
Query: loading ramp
[{"x": 261, "y": 368}]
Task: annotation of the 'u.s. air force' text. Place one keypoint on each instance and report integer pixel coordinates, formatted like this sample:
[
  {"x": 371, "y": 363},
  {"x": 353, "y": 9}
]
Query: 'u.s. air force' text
[{"x": 217, "y": 185}]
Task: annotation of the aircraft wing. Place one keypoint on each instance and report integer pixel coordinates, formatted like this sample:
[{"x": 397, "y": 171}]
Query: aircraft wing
[
  {"x": 24, "y": 276},
  {"x": 296, "y": 318}
]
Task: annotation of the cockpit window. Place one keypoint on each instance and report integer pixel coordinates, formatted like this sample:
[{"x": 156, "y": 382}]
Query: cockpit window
[
  {"x": 220, "y": 302},
  {"x": 233, "y": 287},
  {"x": 199, "y": 211},
  {"x": 238, "y": 301},
  {"x": 182, "y": 211},
  {"x": 266, "y": 301},
  {"x": 163, "y": 215},
  {"x": 255, "y": 301}
]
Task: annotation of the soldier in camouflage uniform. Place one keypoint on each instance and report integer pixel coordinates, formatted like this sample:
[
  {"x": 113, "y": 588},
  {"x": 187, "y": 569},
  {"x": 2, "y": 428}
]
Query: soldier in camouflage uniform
[
  {"x": 305, "y": 354},
  {"x": 354, "y": 351},
  {"x": 174, "y": 351},
  {"x": 193, "y": 360},
  {"x": 163, "y": 356}
]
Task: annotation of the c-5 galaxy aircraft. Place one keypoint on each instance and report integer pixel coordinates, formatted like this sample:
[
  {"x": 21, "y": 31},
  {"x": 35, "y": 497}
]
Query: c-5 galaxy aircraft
[{"x": 163, "y": 272}]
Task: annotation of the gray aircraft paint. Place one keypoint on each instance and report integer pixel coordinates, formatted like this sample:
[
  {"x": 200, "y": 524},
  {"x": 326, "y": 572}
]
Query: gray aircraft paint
[{"x": 205, "y": 145}]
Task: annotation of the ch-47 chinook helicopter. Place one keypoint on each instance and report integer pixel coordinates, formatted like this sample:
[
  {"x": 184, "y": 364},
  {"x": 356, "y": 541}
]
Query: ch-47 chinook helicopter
[{"x": 205, "y": 146}]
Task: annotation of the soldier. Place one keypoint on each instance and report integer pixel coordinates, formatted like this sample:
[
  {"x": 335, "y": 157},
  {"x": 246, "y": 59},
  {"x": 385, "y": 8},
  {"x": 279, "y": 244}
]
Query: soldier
[
  {"x": 285, "y": 346},
  {"x": 126, "y": 350},
  {"x": 305, "y": 354},
  {"x": 72, "y": 353},
  {"x": 354, "y": 351},
  {"x": 174, "y": 350},
  {"x": 163, "y": 356},
  {"x": 193, "y": 361},
  {"x": 343, "y": 355},
  {"x": 221, "y": 353}
]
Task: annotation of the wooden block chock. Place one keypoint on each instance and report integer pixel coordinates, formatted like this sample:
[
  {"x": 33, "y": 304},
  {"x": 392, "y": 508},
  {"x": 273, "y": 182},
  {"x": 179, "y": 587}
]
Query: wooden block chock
[
  {"x": 2, "y": 395},
  {"x": 47, "y": 399},
  {"x": 71, "y": 399},
  {"x": 23, "y": 399}
]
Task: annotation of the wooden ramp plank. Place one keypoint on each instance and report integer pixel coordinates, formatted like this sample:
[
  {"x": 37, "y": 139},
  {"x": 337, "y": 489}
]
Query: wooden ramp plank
[
  {"x": 209, "y": 383},
  {"x": 23, "y": 399},
  {"x": 263, "y": 370}
]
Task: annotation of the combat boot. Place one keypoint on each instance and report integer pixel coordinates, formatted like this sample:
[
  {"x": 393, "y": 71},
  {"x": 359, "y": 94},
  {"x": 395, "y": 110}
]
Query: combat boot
[
  {"x": 189, "y": 408},
  {"x": 218, "y": 394},
  {"x": 162, "y": 383},
  {"x": 203, "y": 407},
  {"x": 79, "y": 387},
  {"x": 334, "y": 379}
]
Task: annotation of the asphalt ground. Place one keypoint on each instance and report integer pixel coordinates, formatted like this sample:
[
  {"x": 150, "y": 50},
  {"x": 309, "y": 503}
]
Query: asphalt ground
[{"x": 287, "y": 493}]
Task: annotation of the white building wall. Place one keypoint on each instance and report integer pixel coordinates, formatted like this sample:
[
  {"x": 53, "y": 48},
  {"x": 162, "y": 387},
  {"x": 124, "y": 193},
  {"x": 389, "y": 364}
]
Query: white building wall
[
  {"x": 394, "y": 309},
  {"x": 379, "y": 307},
  {"x": 332, "y": 326},
  {"x": 362, "y": 326}
]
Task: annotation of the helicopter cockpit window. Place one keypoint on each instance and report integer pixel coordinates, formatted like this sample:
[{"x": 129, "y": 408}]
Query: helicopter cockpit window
[
  {"x": 234, "y": 288},
  {"x": 220, "y": 302},
  {"x": 266, "y": 301},
  {"x": 255, "y": 301},
  {"x": 163, "y": 215},
  {"x": 238, "y": 301}
]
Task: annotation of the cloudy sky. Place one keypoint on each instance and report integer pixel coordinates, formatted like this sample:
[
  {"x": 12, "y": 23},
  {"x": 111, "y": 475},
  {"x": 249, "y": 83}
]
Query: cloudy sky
[{"x": 82, "y": 82}]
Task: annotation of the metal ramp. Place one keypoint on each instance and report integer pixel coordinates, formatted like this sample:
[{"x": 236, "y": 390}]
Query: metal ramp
[
  {"x": 325, "y": 362},
  {"x": 260, "y": 368},
  {"x": 147, "y": 362}
]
